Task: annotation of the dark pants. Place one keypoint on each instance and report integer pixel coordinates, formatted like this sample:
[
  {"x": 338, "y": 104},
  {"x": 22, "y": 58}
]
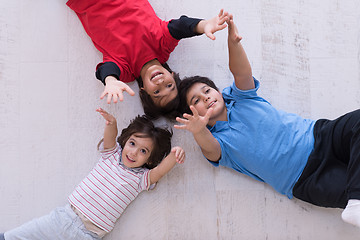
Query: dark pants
[
  {"x": 2, "y": 236},
  {"x": 332, "y": 174}
]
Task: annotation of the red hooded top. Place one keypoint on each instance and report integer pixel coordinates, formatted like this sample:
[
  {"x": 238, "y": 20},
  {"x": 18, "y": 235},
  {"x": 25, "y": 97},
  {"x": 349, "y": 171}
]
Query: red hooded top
[{"x": 126, "y": 32}]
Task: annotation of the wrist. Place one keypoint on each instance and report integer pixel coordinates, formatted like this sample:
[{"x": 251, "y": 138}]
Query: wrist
[
  {"x": 201, "y": 131},
  {"x": 113, "y": 123},
  {"x": 200, "y": 27},
  {"x": 109, "y": 79}
]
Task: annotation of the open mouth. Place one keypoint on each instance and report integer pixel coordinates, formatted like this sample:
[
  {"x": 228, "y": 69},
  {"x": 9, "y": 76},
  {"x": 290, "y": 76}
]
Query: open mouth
[
  {"x": 155, "y": 75},
  {"x": 212, "y": 104},
  {"x": 130, "y": 159}
]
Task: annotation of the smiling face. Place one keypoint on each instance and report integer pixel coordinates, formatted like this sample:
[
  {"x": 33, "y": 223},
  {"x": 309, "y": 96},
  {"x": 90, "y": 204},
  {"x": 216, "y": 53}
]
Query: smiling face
[
  {"x": 203, "y": 97},
  {"x": 159, "y": 83},
  {"x": 137, "y": 151}
]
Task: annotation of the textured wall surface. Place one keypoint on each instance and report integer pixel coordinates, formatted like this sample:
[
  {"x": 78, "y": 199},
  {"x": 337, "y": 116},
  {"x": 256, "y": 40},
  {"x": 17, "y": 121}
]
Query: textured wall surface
[{"x": 305, "y": 53}]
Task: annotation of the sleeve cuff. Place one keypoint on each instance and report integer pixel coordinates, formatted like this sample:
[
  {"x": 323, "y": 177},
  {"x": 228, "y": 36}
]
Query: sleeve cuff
[
  {"x": 184, "y": 27},
  {"x": 107, "y": 69},
  {"x": 100, "y": 147}
]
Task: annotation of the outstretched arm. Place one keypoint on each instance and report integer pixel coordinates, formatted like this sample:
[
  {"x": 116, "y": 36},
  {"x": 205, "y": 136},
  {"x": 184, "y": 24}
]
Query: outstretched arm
[
  {"x": 111, "y": 131},
  {"x": 238, "y": 62},
  {"x": 196, "y": 124},
  {"x": 177, "y": 155},
  {"x": 186, "y": 27}
]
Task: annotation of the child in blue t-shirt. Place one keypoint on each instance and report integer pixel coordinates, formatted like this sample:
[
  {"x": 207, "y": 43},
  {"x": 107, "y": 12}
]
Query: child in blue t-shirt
[{"x": 316, "y": 161}]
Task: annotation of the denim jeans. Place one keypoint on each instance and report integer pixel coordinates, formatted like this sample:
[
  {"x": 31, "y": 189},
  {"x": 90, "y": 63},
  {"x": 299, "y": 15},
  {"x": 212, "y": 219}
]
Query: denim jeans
[{"x": 60, "y": 224}]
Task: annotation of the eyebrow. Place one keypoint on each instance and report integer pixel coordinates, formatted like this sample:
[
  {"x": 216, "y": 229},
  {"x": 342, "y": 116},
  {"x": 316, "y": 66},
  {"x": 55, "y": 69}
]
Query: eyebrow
[
  {"x": 195, "y": 94},
  {"x": 162, "y": 97},
  {"x": 142, "y": 146},
  {"x": 172, "y": 89}
]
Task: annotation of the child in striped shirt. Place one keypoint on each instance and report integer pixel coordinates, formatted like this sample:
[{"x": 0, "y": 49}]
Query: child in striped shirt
[{"x": 127, "y": 166}]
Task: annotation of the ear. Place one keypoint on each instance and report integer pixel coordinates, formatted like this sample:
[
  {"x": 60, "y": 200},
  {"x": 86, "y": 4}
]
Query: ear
[{"x": 148, "y": 164}]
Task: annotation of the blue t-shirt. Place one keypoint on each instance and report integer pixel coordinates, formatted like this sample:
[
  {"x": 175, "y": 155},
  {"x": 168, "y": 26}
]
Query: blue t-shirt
[{"x": 262, "y": 142}]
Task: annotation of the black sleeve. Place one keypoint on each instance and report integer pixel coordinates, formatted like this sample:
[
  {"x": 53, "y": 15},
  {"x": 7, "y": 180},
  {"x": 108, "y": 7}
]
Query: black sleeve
[
  {"x": 107, "y": 69},
  {"x": 184, "y": 27}
]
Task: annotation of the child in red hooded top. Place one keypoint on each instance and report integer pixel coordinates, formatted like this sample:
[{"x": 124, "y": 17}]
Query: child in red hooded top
[{"x": 136, "y": 44}]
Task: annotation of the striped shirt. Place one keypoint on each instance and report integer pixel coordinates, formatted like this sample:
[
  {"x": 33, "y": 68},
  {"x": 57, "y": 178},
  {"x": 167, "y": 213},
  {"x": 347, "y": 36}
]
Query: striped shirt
[{"x": 108, "y": 189}]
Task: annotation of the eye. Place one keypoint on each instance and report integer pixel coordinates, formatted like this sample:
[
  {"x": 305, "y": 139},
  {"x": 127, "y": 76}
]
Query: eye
[
  {"x": 143, "y": 151},
  {"x": 132, "y": 143},
  {"x": 156, "y": 92},
  {"x": 196, "y": 101},
  {"x": 169, "y": 85},
  {"x": 207, "y": 90}
]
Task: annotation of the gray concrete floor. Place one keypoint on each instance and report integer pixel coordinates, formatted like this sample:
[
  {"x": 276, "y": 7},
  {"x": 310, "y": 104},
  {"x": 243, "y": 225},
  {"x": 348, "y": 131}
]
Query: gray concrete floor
[{"x": 305, "y": 53}]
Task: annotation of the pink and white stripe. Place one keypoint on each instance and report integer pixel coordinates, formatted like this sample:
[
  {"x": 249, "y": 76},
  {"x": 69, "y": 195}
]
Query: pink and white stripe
[{"x": 108, "y": 189}]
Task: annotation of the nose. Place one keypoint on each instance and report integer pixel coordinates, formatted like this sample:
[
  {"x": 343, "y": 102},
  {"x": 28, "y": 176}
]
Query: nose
[
  {"x": 159, "y": 81},
  {"x": 134, "y": 152},
  {"x": 206, "y": 98}
]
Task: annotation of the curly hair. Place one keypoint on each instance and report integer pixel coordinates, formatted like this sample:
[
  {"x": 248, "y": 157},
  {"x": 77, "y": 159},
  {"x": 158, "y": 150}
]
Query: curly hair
[
  {"x": 185, "y": 86},
  {"x": 143, "y": 127}
]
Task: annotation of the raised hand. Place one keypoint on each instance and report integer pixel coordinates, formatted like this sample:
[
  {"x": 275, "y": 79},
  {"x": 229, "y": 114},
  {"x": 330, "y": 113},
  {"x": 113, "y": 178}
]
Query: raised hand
[
  {"x": 232, "y": 29},
  {"x": 179, "y": 154},
  {"x": 114, "y": 90},
  {"x": 194, "y": 123},
  {"x": 210, "y": 26},
  {"x": 110, "y": 119},
  {"x": 110, "y": 131}
]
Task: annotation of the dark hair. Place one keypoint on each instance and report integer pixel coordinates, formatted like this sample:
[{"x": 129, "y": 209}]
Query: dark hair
[
  {"x": 185, "y": 86},
  {"x": 143, "y": 127},
  {"x": 170, "y": 110}
]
